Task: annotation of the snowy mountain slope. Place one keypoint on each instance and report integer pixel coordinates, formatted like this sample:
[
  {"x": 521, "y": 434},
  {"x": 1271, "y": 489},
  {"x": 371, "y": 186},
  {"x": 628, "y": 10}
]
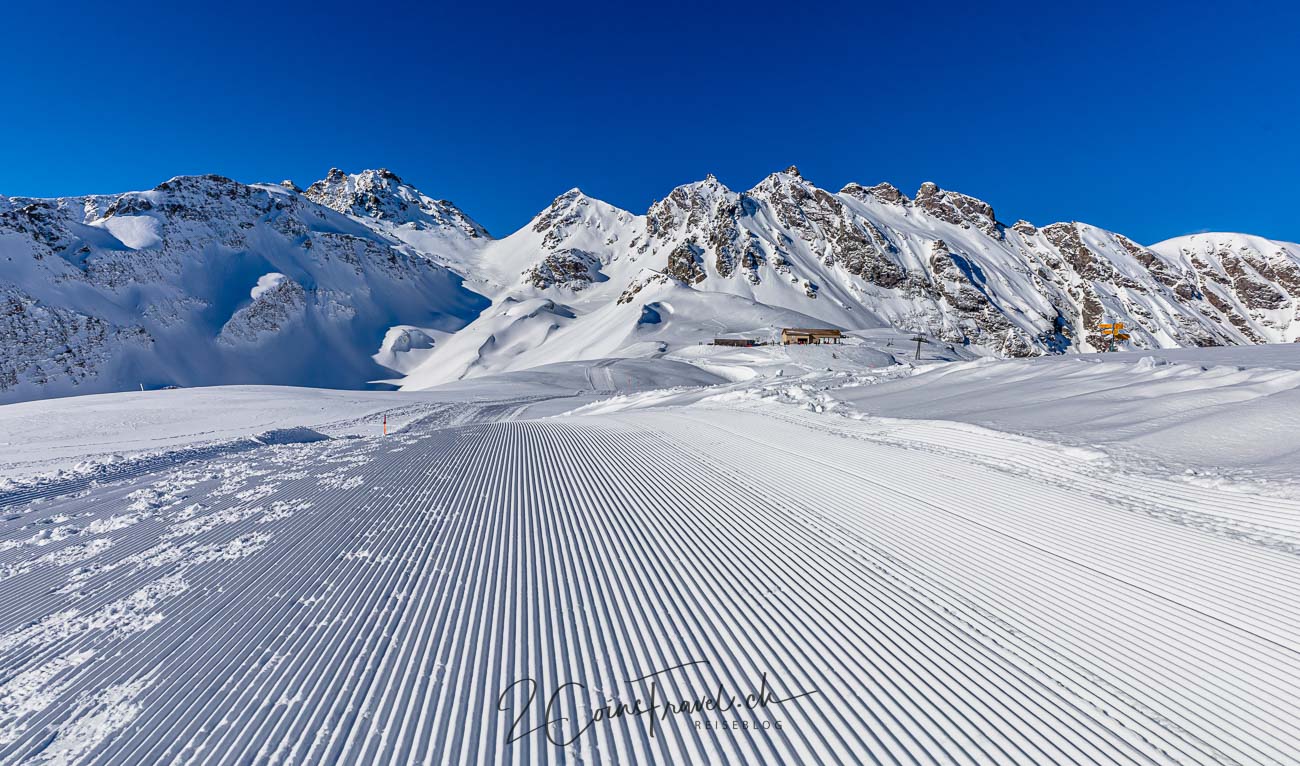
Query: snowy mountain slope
[
  {"x": 203, "y": 280},
  {"x": 1252, "y": 282},
  {"x": 99, "y": 435},
  {"x": 519, "y": 334},
  {"x": 862, "y": 258}
]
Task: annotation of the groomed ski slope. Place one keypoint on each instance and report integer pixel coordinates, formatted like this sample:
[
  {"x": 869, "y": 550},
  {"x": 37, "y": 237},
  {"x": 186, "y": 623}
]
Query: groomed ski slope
[{"x": 939, "y": 592}]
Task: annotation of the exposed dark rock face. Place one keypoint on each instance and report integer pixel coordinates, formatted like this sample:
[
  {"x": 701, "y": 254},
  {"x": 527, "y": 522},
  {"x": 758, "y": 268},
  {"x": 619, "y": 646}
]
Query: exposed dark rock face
[
  {"x": 1252, "y": 291},
  {"x": 1065, "y": 237},
  {"x": 940, "y": 263},
  {"x": 733, "y": 247},
  {"x": 1048, "y": 288},
  {"x": 957, "y": 208},
  {"x": 861, "y": 253},
  {"x": 959, "y": 282},
  {"x": 1154, "y": 265},
  {"x": 267, "y": 315},
  {"x": 1226, "y": 307},
  {"x": 1279, "y": 269},
  {"x": 129, "y": 204},
  {"x": 823, "y": 222},
  {"x": 685, "y": 264},
  {"x": 154, "y": 279},
  {"x": 568, "y": 267},
  {"x": 43, "y": 344},
  {"x": 800, "y": 207},
  {"x": 882, "y": 192},
  {"x": 564, "y": 210},
  {"x": 952, "y": 275},
  {"x": 640, "y": 283}
]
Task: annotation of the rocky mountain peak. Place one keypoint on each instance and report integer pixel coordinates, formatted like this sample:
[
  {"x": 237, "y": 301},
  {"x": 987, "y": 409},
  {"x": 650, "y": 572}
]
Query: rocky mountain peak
[
  {"x": 785, "y": 243},
  {"x": 957, "y": 208},
  {"x": 782, "y": 184},
  {"x": 573, "y": 214},
  {"x": 560, "y": 208},
  {"x": 881, "y": 192},
  {"x": 382, "y": 195},
  {"x": 695, "y": 205}
]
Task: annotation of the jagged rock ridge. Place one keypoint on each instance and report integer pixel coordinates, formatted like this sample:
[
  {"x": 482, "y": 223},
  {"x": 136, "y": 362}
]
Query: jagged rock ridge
[{"x": 939, "y": 262}]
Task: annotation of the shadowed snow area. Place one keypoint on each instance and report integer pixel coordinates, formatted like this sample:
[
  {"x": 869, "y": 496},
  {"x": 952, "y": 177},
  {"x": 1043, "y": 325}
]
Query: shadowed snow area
[{"x": 936, "y": 562}]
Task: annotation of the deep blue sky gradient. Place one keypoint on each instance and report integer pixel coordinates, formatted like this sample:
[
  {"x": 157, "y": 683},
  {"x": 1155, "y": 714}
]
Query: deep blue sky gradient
[{"x": 1150, "y": 119}]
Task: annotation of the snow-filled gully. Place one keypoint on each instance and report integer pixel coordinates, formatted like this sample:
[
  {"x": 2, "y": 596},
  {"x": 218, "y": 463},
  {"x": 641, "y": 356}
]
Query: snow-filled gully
[{"x": 891, "y": 597}]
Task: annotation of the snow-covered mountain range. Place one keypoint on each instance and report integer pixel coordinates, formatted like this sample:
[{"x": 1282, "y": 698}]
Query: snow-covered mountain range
[
  {"x": 362, "y": 277},
  {"x": 202, "y": 281}
]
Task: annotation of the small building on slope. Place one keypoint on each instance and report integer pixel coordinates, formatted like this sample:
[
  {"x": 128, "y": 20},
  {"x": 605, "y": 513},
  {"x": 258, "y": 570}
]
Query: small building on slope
[{"x": 809, "y": 336}]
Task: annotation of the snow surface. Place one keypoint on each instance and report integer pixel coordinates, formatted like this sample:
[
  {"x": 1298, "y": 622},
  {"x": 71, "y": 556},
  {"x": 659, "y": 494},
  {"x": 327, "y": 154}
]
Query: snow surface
[
  {"x": 266, "y": 282},
  {"x": 841, "y": 522},
  {"x": 1204, "y": 412}
]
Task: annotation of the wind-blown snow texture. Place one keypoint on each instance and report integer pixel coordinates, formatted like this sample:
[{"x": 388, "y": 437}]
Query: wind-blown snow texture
[
  {"x": 941, "y": 593},
  {"x": 362, "y": 277}
]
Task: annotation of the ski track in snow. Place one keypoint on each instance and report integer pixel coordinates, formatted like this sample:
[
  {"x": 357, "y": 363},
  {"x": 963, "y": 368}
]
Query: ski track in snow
[{"x": 947, "y": 594}]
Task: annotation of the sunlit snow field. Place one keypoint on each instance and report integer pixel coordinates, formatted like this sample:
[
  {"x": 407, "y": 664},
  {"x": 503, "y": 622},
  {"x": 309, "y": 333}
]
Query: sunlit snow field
[{"x": 1087, "y": 559}]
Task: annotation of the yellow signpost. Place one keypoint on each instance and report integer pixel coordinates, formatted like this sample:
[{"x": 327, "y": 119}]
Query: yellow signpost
[{"x": 1113, "y": 331}]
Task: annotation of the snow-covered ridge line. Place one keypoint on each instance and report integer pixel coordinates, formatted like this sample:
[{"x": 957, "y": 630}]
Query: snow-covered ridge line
[{"x": 362, "y": 277}]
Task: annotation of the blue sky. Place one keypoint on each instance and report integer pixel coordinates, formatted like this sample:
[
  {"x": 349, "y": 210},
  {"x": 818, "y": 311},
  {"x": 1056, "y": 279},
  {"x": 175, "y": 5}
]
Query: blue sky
[{"x": 1153, "y": 120}]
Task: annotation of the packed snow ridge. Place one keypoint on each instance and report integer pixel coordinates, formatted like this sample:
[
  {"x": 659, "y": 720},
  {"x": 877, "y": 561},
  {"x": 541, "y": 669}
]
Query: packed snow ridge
[{"x": 363, "y": 278}]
